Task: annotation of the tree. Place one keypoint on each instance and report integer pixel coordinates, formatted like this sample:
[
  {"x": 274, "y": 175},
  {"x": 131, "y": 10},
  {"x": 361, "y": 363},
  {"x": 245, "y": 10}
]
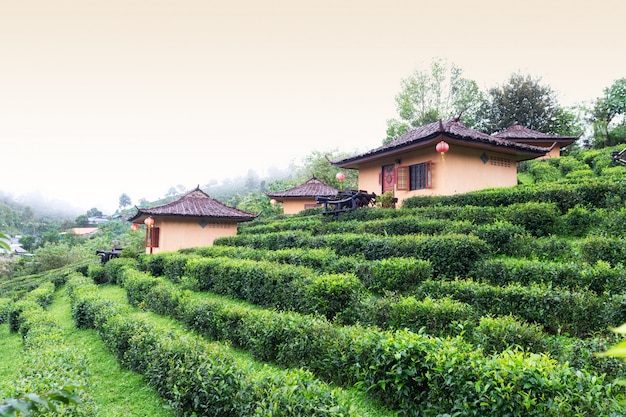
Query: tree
[
  {"x": 521, "y": 99},
  {"x": 609, "y": 123},
  {"x": 94, "y": 212},
  {"x": 426, "y": 97},
  {"x": 28, "y": 242},
  {"x": 316, "y": 165},
  {"x": 124, "y": 201}
]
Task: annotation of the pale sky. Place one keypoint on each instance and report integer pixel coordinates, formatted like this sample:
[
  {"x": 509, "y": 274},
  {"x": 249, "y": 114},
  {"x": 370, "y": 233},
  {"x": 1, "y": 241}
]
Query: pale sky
[{"x": 100, "y": 98}]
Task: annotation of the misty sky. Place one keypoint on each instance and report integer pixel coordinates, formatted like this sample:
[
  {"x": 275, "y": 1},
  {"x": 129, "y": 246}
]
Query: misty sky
[{"x": 124, "y": 96}]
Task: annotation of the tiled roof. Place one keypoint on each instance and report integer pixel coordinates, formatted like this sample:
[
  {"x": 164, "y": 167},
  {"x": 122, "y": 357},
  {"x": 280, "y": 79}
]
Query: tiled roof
[
  {"x": 452, "y": 128},
  {"x": 311, "y": 188},
  {"x": 521, "y": 132},
  {"x": 195, "y": 204}
]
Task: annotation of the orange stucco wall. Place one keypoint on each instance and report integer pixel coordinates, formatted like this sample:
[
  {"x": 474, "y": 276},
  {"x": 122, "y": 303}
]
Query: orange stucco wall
[
  {"x": 177, "y": 233},
  {"x": 460, "y": 171},
  {"x": 293, "y": 206}
]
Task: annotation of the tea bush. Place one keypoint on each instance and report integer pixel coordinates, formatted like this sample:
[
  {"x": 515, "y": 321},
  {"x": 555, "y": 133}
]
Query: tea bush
[
  {"x": 434, "y": 316},
  {"x": 601, "y": 248},
  {"x": 450, "y": 255},
  {"x": 197, "y": 377},
  {"x": 406, "y": 371},
  {"x": 497, "y": 334},
  {"x": 577, "y": 312}
]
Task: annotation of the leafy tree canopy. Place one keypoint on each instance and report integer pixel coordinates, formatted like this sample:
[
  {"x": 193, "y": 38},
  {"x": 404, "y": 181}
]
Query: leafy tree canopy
[
  {"x": 525, "y": 100},
  {"x": 608, "y": 115},
  {"x": 427, "y": 96},
  {"x": 124, "y": 201}
]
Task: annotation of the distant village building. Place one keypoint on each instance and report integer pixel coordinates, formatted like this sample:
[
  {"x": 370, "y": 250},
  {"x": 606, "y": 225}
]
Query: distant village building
[
  {"x": 84, "y": 231},
  {"x": 193, "y": 220},
  {"x": 303, "y": 196},
  {"x": 468, "y": 160}
]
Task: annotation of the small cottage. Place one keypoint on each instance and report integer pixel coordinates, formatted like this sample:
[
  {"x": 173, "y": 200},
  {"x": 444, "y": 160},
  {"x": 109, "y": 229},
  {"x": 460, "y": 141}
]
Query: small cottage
[
  {"x": 441, "y": 158},
  {"x": 303, "y": 196},
  {"x": 193, "y": 220},
  {"x": 521, "y": 134}
]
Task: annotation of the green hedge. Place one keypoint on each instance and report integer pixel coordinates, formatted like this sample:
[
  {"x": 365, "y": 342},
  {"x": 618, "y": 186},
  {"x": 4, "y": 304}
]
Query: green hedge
[
  {"x": 597, "y": 192},
  {"x": 408, "y": 372},
  {"x": 576, "y": 312},
  {"x": 450, "y": 255},
  {"x": 434, "y": 316},
  {"x": 113, "y": 268},
  {"x": 48, "y": 363},
  {"x": 600, "y": 277},
  {"x": 275, "y": 285},
  {"x": 392, "y": 274},
  {"x": 601, "y": 248},
  {"x": 200, "y": 378}
]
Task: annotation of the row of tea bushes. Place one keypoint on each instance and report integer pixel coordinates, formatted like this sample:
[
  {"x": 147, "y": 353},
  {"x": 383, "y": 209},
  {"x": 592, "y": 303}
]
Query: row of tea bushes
[
  {"x": 270, "y": 284},
  {"x": 600, "y": 193},
  {"x": 40, "y": 297},
  {"x": 411, "y": 373},
  {"x": 449, "y": 317},
  {"x": 450, "y": 255},
  {"x": 17, "y": 287},
  {"x": 577, "y": 312},
  {"x": 47, "y": 363},
  {"x": 529, "y": 289},
  {"x": 599, "y": 277},
  {"x": 390, "y": 274},
  {"x": 197, "y": 377}
]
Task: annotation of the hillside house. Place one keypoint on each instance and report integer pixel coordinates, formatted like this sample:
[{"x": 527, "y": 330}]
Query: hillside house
[
  {"x": 411, "y": 166},
  {"x": 521, "y": 134},
  {"x": 303, "y": 196},
  {"x": 193, "y": 220}
]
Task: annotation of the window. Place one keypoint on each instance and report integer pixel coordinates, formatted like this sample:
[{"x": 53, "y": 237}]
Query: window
[{"x": 415, "y": 177}]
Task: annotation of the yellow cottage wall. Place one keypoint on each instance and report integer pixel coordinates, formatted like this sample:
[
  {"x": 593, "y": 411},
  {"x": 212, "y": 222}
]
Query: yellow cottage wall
[
  {"x": 293, "y": 206},
  {"x": 177, "y": 233},
  {"x": 460, "y": 171}
]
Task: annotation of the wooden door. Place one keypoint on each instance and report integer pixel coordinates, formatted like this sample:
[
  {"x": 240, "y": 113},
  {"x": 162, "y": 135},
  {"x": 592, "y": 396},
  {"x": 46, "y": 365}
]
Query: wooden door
[{"x": 388, "y": 177}]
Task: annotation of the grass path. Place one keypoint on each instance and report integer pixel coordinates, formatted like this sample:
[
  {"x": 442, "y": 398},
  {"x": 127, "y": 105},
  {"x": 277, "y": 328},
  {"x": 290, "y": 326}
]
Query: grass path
[
  {"x": 10, "y": 353},
  {"x": 118, "y": 392}
]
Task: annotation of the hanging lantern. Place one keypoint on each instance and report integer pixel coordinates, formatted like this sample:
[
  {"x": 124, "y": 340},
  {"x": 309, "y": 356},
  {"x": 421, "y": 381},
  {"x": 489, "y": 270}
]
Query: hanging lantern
[
  {"x": 442, "y": 147},
  {"x": 340, "y": 177},
  {"x": 149, "y": 222},
  {"x": 134, "y": 227},
  {"x": 273, "y": 202}
]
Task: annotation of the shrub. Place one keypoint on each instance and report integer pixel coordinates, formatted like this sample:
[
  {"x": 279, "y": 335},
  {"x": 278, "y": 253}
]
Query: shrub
[
  {"x": 596, "y": 248},
  {"x": 450, "y": 255},
  {"x": 114, "y": 268},
  {"x": 397, "y": 274},
  {"x": 96, "y": 273},
  {"x": 435, "y": 316},
  {"x": 539, "y": 219},
  {"x": 174, "y": 266},
  {"x": 503, "y": 271},
  {"x": 543, "y": 171},
  {"x": 330, "y": 294},
  {"x": 497, "y": 334}
]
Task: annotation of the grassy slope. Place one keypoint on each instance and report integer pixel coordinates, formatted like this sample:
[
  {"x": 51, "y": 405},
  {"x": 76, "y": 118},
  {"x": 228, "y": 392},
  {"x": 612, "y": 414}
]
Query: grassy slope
[
  {"x": 10, "y": 349},
  {"x": 117, "y": 392}
]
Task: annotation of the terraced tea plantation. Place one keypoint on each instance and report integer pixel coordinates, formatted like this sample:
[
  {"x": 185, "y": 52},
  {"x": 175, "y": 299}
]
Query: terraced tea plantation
[{"x": 491, "y": 303}]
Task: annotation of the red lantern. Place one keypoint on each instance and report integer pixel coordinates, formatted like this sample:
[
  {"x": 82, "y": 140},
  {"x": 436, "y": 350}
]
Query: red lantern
[
  {"x": 273, "y": 202},
  {"x": 134, "y": 227},
  {"x": 340, "y": 176},
  {"x": 149, "y": 222},
  {"x": 442, "y": 147}
]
